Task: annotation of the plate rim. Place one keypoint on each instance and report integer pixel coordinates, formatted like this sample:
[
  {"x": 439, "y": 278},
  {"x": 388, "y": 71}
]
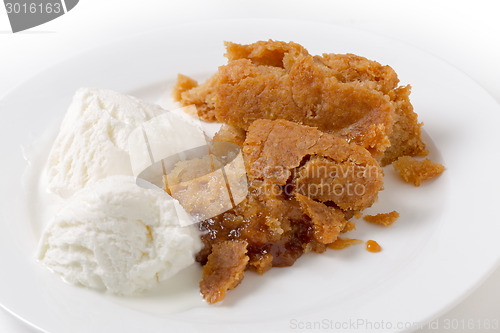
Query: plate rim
[{"x": 74, "y": 57}]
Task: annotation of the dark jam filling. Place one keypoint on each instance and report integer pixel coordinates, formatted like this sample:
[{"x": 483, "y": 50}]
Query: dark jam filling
[
  {"x": 285, "y": 251},
  {"x": 288, "y": 249}
]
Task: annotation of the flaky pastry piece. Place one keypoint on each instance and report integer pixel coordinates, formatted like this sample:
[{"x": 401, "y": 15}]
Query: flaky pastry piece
[
  {"x": 319, "y": 165},
  {"x": 224, "y": 269},
  {"x": 348, "y": 95},
  {"x": 282, "y": 217}
]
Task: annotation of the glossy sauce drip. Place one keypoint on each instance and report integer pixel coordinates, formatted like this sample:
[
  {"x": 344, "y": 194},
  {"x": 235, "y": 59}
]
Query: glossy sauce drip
[
  {"x": 373, "y": 246},
  {"x": 342, "y": 243}
]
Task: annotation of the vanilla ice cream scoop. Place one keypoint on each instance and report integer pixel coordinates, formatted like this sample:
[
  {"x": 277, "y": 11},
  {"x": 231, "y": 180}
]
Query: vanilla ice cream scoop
[
  {"x": 115, "y": 235},
  {"x": 93, "y": 139}
]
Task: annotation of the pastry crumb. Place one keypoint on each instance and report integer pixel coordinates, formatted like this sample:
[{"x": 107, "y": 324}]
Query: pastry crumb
[
  {"x": 385, "y": 219},
  {"x": 183, "y": 84},
  {"x": 416, "y": 171}
]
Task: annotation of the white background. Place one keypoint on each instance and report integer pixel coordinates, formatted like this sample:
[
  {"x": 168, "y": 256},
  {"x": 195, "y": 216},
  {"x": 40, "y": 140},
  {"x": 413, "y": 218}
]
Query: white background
[{"x": 464, "y": 33}]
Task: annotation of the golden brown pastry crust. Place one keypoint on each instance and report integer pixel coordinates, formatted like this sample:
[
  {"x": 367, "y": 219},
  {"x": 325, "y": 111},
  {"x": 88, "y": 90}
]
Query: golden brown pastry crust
[
  {"x": 305, "y": 93},
  {"x": 319, "y": 165},
  {"x": 344, "y": 94}
]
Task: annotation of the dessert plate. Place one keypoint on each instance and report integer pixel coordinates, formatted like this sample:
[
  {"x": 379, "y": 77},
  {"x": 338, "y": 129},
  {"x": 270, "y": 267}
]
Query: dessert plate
[{"x": 443, "y": 245}]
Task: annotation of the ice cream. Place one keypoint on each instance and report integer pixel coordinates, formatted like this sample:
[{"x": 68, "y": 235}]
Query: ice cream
[
  {"x": 93, "y": 139},
  {"x": 115, "y": 235},
  {"x": 112, "y": 234}
]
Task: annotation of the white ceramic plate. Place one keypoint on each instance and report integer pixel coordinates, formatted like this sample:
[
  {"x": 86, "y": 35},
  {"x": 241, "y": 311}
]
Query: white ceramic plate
[{"x": 443, "y": 245}]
